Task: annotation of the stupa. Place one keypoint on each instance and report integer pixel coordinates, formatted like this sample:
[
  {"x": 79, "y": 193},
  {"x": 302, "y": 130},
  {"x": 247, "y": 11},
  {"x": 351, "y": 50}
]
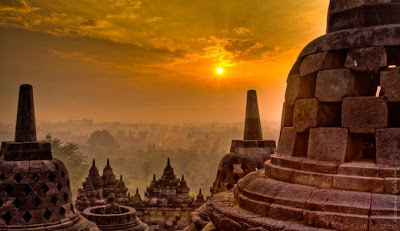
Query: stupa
[
  {"x": 96, "y": 189},
  {"x": 35, "y": 191},
  {"x": 338, "y": 158},
  {"x": 166, "y": 204},
  {"x": 246, "y": 155}
]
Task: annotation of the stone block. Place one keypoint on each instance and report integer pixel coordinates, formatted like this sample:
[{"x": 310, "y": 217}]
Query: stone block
[
  {"x": 292, "y": 143},
  {"x": 299, "y": 87},
  {"x": 310, "y": 165},
  {"x": 390, "y": 83},
  {"x": 289, "y": 162},
  {"x": 285, "y": 195},
  {"x": 282, "y": 212},
  {"x": 364, "y": 114},
  {"x": 358, "y": 183},
  {"x": 340, "y": 201},
  {"x": 334, "y": 85},
  {"x": 358, "y": 169},
  {"x": 320, "y": 61},
  {"x": 336, "y": 221},
  {"x": 318, "y": 180},
  {"x": 287, "y": 115},
  {"x": 328, "y": 144},
  {"x": 368, "y": 59},
  {"x": 383, "y": 204},
  {"x": 387, "y": 223},
  {"x": 392, "y": 186},
  {"x": 306, "y": 113},
  {"x": 344, "y": 5},
  {"x": 388, "y": 147},
  {"x": 282, "y": 174}
]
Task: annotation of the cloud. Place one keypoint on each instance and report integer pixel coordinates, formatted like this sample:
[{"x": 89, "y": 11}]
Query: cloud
[
  {"x": 16, "y": 6},
  {"x": 241, "y": 30}
]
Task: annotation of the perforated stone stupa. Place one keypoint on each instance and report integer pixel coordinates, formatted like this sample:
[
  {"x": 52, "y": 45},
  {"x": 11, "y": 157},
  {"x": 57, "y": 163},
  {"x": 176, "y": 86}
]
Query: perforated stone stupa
[
  {"x": 338, "y": 158},
  {"x": 246, "y": 155},
  {"x": 35, "y": 189}
]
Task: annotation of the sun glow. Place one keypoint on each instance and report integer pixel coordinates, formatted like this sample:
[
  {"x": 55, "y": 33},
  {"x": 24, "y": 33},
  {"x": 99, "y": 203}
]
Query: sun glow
[{"x": 220, "y": 70}]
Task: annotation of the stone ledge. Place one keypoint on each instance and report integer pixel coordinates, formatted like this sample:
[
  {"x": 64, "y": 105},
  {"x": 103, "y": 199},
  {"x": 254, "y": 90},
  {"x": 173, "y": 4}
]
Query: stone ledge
[{"x": 19, "y": 151}]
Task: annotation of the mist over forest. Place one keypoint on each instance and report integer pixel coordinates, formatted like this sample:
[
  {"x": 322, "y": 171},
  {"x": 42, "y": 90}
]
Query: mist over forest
[{"x": 137, "y": 151}]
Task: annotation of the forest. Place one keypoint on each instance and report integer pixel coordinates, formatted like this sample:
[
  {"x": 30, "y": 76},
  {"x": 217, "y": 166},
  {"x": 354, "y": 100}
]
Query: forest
[{"x": 137, "y": 151}]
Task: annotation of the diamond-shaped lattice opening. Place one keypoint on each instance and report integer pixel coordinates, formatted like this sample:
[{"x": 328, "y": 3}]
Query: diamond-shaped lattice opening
[
  {"x": 56, "y": 165},
  {"x": 18, "y": 178},
  {"x": 35, "y": 177},
  {"x": 65, "y": 197},
  {"x": 17, "y": 203},
  {"x": 27, "y": 190},
  {"x": 47, "y": 214},
  {"x": 54, "y": 200},
  {"x": 27, "y": 217},
  {"x": 37, "y": 202},
  {"x": 2, "y": 176},
  {"x": 52, "y": 177},
  {"x": 62, "y": 211},
  {"x": 128, "y": 218},
  {"x": 45, "y": 188},
  {"x": 59, "y": 186},
  {"x": 1, "y": 203},
  {"x": 63, "y": 174},
  {"x": 72, "y": 209},
  {"x": 7, "y": 217},
  {"x": 8, "y": 189}
]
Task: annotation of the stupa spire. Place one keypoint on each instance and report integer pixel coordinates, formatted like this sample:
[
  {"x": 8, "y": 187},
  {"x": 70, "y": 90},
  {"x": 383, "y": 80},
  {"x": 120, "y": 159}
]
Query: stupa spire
[
  {"x": 94, "y": 163},
  {"x": 252, "y": 129},
  {"x": 25, "y": 130},
  {"x": 108, "y": 161}
]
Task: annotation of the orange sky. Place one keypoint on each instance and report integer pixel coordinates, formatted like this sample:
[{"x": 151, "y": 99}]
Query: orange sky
[{"x": 152, "y": 60}]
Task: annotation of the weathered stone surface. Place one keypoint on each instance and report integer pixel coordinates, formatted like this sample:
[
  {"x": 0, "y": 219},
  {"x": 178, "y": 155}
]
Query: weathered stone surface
[
  {"x": 358, "y": 183},
  {"x": 387, "y": 223},
  {"x": 313, "y": 179},
  {"x": 287, "y": 141},
  {"x": 285, "y": 195},
  {"x": 337, "y": 221},
  {"x": 334, "y": 85},
  {"x": 318, "y": 166},
  {"x": 328, "y": 144},
  {"x": 287, "y": 115},
  {"x": 368, "y": 59},
  {"x": 282, "y": 212},
  {"x": 390, "y": 83},
  {"x": 344, "y": 5},
  {"x": 382, "y": 204},
  {"x": 388, "y": 147},
  {"x": 358, "y": 169},
  {"x": 364, "y": 114},
  {"x": 282, "y": 174},
  {"x": 320, "y": 61},
  {"x": 392, "y": 186},
  {"x": 306, "y": 113},
  {"x": 340, "y": 201},
  {"x": 299, "y": 87}
]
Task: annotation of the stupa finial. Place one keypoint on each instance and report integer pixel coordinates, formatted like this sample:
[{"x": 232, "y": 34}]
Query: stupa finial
[
  {"x": 25, "y": 130},
  {"x": 252, "y": 130}
]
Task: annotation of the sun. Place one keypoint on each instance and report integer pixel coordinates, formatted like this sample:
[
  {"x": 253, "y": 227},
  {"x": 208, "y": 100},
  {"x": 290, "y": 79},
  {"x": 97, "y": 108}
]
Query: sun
[{"x": 220, "y": 70}]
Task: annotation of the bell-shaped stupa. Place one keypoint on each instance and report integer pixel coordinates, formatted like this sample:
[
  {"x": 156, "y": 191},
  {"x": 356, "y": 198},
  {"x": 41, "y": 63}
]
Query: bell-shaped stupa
[
  {"x": 35, "y": 191},
  {"x": 246, "y": 155},
  {"x": 338, "y": 158}
]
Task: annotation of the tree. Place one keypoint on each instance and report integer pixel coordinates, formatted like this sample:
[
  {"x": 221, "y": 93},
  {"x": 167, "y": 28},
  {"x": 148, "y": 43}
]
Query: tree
[{"x": 73, "y": 159}]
